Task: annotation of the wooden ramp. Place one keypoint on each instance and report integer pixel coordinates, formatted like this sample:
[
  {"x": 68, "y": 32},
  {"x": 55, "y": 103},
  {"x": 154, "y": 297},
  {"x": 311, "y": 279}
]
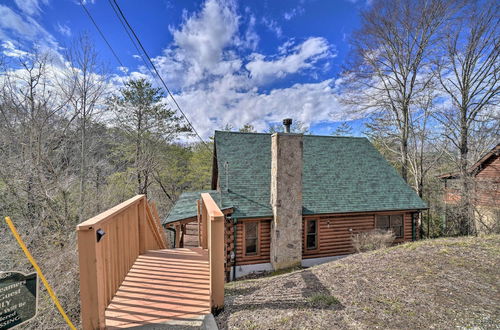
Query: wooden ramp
[{"x": 169, "y": 287}]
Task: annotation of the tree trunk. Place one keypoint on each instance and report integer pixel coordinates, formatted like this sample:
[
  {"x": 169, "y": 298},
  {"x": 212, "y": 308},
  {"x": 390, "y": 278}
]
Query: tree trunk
[
  {"x": 466, "y": 220},
  {"x": 98, "y": 189},
  {"x": 404, "y": 144},
  {"x": 138, "y": 153},
  {"x": 83, "y": 169}
]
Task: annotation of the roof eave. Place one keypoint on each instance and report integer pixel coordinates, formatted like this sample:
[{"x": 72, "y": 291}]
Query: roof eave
[{"x": 226, "y": 211}]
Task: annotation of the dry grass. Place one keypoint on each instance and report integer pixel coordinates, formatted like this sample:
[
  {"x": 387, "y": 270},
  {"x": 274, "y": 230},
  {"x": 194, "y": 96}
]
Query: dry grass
[
  {"x": 442, "y": 283},
  {"x": 57, "y": 257},
  {"x": 372, "y": 240}
]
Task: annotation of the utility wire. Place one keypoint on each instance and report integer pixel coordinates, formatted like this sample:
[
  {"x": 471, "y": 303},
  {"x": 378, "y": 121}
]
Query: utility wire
[
  {"x": 146, "y": 64},
  {"x": 157, "y": 73},
  {"x": 109, "y": 45},
  {"x": 121, "y": 16},
  {"x": 131, "y": 39},
  {"x": 100, "y": 32}
]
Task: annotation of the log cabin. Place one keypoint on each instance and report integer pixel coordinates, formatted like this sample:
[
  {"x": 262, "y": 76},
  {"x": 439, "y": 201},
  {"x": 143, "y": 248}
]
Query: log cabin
[
  {"x": 484, "y": 194},
  {"x": 292, "y": 199}
]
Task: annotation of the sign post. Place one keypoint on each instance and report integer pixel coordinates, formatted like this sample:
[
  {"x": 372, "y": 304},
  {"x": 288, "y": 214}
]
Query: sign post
[
  {"x": 39, "y": 272},
  {"x": 18, "y": 298}
]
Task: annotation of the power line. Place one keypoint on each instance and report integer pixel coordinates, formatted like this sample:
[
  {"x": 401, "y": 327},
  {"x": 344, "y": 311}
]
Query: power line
[
  {"x": 130, "y": 37},
  {"x": 157, "y": 73},
  {"x": 135, "y": 45},
  {"x": 120, "y": 14},
  {"x": 109, "y": 45},
  {"x": 100, "y": 32}
]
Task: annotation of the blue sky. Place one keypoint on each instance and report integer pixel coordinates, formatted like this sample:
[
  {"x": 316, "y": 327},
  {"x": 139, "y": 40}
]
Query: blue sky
[{"x": 227, "y": 62}]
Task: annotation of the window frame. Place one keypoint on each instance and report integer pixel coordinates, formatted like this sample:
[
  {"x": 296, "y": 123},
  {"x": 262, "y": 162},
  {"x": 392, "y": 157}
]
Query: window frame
[
  {"x": 306, "y": 234},
  {"x": 258, "y": 238},
  {"x": 402, "y": 215}
]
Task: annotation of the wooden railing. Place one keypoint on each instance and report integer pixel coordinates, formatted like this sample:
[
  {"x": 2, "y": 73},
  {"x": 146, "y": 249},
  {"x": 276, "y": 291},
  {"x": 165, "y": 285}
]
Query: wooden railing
[
  {"x": 211, "y": 223},
  {"x": 108, "y": 245}
]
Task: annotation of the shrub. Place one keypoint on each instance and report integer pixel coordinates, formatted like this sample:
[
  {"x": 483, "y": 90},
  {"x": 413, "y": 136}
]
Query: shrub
[
  {"x": 323, "y": 300},
  {"x": 372, "y": 240}
]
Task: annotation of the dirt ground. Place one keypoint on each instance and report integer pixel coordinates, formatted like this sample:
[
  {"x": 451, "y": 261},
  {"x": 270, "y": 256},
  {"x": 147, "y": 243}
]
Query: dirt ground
[{"x": 442, "y": 283}]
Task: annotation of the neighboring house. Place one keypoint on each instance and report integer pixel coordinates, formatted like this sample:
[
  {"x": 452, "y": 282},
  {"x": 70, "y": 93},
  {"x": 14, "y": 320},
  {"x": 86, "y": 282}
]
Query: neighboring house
[
  {"x": 292, "y": 199},
  {"x": 485, "y": 191}
]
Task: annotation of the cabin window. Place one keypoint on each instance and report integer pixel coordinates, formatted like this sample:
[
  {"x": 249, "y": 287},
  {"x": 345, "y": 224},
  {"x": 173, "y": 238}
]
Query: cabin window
[
  {"x": 311, "y": 234},
  {"x": 251, "y": 238},
  {"x": 393, "y": 222}
]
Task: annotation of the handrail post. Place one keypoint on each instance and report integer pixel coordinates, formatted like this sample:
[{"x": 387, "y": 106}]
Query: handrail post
[
  {"x": 204, "y": 226},
  {"x": 216, "y": 256},
  {"x": 213, "y": 218},
  {"x": 198, "y": 218},
  {"x": 92, "y": 298},
  {"x": 141, "y": 215}
]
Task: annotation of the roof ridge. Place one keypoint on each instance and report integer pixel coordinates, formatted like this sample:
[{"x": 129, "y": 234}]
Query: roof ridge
[
  {"x": 334, "y": 136},
  {"x": 307, "y": 135},
  {"x": 236, "y": 132}
]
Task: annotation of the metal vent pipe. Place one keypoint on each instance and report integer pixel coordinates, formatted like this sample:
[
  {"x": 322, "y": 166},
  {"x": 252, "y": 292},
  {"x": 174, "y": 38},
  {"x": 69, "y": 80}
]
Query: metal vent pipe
[{"x": 287, "y": 122}]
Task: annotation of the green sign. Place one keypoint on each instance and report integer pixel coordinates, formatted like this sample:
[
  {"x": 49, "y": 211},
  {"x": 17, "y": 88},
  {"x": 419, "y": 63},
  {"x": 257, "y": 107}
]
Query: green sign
[{"x": 18, "y": 298}]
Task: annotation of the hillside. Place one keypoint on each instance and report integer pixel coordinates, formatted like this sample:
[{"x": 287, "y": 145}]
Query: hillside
[{"x": 442, "y": 283}]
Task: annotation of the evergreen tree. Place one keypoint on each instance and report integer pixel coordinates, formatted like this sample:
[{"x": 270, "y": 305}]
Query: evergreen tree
[{"x": 146, "y": 120}]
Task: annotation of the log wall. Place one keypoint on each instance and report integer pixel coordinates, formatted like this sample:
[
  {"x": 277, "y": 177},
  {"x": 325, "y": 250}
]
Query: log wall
[
  {"x": 263, "y": 254},
  {"x": 334, "y": 235}
]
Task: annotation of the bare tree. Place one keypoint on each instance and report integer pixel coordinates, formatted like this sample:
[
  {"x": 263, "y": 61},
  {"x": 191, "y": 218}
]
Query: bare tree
[
  {"x": 36, "y": 176},
  {"x": 297, "y": 127},
  {"x": 344, "y": 129},
  {"x": 426, "y": 149},
  {"x": 469, "y": 73},
  {"x": 34, "y": 126},
  {"x": 391, "y": 65},
  {"x": 86, "y": 81}
]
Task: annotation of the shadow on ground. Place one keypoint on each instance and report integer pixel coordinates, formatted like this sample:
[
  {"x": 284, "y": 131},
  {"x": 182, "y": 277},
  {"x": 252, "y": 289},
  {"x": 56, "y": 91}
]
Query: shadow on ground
[{"x": 302, "y": 290}]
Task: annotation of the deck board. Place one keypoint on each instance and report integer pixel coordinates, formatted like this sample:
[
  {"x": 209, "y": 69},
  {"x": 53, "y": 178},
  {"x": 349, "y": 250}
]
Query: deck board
[{"x": 163, "y": 287}]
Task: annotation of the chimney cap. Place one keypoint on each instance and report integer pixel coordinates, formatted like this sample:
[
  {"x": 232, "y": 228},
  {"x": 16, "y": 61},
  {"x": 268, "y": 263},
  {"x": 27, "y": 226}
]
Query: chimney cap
[{"x": 287, "y": 122}]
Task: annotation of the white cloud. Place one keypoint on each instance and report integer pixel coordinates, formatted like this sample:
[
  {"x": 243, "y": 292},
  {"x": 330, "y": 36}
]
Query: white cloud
[
  {"x": 273, "y": 26},
  {"x": 31, "y": 7},
  {"x": 251, "y": 37},
  {"x": 308, "y": 103},
  {"x": 217, "y": 73},
  {"x": 216, "y": 70},
  {"x": 288, "y": 15},
  {"x": 10, "y": 50},
  {"x": 15, "y": 23},
  {"x": 123, "y": 69},
  {"x": 64, "y": 29},
  {"x": 26, "y": 29},
  {"x": 304, "y": 56},
  {"x": 199, "y": 43}
]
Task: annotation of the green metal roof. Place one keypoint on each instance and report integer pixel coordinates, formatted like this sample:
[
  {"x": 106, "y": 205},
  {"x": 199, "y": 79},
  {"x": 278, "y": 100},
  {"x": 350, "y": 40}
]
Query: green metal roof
[
  {"x": 340, "y": 175},
  {"x": 346, "y": 174},
  {"x": 246, "y": 180},
  {"x": 185, "y": 207}
]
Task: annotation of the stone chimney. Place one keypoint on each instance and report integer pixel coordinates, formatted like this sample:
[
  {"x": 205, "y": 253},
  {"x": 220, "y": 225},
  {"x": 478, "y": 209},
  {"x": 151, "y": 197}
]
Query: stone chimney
[{"x": 286, "y": 199}]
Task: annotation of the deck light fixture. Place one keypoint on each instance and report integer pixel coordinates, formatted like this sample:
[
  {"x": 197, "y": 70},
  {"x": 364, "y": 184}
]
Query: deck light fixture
[{"x": 99, "y": 234}]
